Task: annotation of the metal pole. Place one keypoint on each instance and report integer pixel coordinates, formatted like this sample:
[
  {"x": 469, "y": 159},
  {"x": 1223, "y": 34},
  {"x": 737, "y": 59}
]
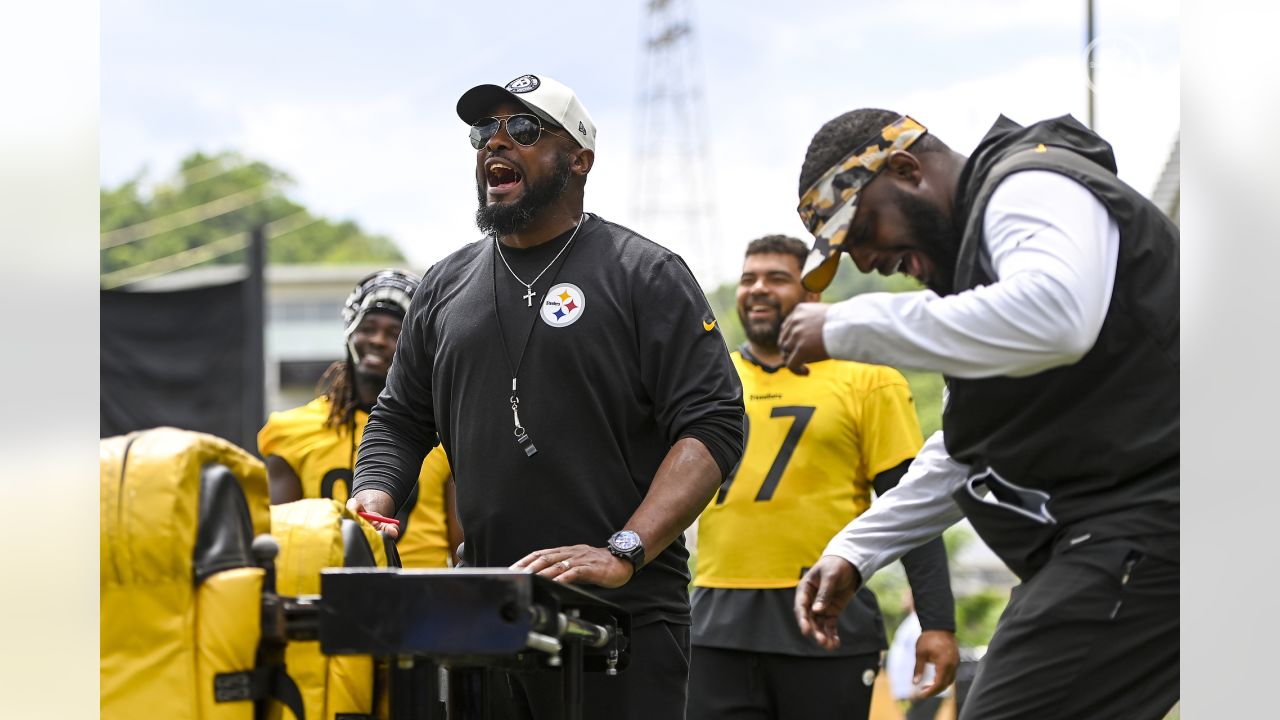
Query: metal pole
[
  {"x": 253, "y": 400},
  {"x": 572, "y": 681},
  {"x": 1089, "y": 56}
]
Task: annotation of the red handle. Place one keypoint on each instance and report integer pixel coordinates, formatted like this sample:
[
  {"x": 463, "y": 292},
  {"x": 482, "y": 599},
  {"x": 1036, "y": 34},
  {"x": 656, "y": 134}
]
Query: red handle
[{"x": 378, "y": 518}]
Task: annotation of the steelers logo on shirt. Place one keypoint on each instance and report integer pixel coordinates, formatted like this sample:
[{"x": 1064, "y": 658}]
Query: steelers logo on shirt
[{"x": 563, "y": 304}]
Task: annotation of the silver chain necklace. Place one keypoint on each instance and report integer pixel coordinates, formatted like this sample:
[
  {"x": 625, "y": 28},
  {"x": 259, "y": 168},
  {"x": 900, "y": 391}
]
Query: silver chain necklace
[{"x": 528, "y": 286}]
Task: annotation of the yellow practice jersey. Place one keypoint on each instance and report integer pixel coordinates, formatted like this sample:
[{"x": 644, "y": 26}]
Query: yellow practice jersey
[
  {"x": 323, "y": 458},
  {"x": 814, "y": 445}
]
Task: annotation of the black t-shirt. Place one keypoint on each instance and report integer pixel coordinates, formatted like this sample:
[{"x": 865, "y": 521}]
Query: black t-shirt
[
  {"x": 622, "y": 360},
  {"x": 538, "y": 266}
]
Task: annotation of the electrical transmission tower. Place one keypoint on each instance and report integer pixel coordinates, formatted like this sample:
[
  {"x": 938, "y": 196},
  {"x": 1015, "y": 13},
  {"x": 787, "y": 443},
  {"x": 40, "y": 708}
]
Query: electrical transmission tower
[{"x": 672, "y": 197}]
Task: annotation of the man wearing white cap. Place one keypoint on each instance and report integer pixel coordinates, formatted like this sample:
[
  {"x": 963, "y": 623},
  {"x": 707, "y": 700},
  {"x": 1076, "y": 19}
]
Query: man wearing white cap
[{"x": 577, "y": 379}]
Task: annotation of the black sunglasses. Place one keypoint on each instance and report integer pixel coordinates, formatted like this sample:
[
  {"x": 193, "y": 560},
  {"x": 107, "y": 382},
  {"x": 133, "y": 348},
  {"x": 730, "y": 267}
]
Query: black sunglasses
[{"x": 524, "y": 128}]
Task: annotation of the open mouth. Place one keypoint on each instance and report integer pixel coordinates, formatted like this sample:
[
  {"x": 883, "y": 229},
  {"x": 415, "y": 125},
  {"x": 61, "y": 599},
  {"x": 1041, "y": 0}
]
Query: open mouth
[
  {"x": 761, "y": 310},
  {"x": 908, "y": 263},
  {"x": 501, "y": 176}
]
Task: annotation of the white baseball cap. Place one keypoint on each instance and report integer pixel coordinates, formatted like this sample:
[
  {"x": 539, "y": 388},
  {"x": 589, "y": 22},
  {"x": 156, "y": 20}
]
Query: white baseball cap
[{"x": 545, "y": 97}]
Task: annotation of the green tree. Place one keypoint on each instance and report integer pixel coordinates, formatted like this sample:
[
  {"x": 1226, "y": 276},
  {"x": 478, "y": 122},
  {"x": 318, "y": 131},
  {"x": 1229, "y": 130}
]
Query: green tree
[
  {"x": 976, "y": 612},
  {"x": 219, "y": 197}
]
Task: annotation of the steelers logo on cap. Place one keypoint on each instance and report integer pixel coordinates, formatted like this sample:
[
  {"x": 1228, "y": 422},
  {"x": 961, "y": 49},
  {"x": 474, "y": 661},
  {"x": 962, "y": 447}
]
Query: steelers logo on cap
[
  {"x": 563, "y": 304},
  {"x": 869, "y": 677},
  {"x": 524, "y": 84}
]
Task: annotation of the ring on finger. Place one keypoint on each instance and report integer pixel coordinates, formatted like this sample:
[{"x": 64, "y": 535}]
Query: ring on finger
[{"x": 565, "y": 564}]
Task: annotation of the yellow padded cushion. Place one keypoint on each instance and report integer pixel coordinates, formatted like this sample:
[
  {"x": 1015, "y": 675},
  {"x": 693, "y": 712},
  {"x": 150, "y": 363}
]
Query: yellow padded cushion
[{"x": 162, "y": 639}]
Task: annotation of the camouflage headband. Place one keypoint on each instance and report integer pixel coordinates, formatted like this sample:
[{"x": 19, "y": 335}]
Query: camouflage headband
[{"x": 827, "y": 207}]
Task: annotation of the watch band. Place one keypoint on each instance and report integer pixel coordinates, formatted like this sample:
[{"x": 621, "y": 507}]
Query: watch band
[{"x": 627, "y": 545}]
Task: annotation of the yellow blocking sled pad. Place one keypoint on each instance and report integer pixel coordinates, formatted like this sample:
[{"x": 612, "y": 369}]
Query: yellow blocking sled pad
[
  {"x": 315, "y": 534},
  {"x": 181, "y": 595}
]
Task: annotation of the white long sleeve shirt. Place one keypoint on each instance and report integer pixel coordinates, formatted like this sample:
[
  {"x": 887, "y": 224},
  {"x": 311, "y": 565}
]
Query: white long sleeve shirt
[{"x": 1052, "y": 247}]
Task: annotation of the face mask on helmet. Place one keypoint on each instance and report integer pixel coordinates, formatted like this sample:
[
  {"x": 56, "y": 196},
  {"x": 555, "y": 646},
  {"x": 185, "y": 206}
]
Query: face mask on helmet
[{"x": 389, "y": 291}]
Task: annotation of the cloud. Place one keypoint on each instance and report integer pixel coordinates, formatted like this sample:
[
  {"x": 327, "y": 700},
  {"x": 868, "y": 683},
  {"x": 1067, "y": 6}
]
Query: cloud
[
  {"x": 388, "y": 163},
  {"x": 756, "y": 154},
  {"x": 367, "y": 129}
]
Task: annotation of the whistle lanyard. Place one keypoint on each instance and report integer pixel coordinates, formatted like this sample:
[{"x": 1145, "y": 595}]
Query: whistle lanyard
[{"x": 523, "y": 441}]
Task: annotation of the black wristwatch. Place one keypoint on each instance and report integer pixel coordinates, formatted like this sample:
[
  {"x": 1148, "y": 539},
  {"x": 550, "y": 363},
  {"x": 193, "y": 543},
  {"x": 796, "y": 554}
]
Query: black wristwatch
[{"x": 626, "y": 545}]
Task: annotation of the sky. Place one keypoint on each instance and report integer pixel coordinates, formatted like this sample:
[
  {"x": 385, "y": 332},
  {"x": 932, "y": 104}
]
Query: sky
[{"x": 355, "y": 100}]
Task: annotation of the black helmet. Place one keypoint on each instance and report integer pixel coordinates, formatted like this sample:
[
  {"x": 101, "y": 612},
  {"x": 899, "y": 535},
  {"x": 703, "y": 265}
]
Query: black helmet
[{"x": 386, "y": 290}]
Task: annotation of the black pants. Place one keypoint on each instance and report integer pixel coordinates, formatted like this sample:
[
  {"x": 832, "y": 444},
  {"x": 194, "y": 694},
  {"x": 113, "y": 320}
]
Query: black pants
[
  {"x": 653, "y": 687},
  {"x": 741, "y": 685},
  {"x": 924, "y": 709},
  {"x": 1093, "y": 634}
]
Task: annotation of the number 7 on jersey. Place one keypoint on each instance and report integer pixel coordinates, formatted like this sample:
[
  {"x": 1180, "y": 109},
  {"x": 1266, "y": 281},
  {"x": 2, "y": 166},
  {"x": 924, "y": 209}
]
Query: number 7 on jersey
[{"x": 800, "y": 416}]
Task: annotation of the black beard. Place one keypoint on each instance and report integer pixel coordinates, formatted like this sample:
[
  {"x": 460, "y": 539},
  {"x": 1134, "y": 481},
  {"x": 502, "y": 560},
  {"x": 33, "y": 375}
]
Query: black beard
[
  {"x": 938, "y": 240},
  {"x": 767, "y": 336},
  {"x": 501, "y": 219}
]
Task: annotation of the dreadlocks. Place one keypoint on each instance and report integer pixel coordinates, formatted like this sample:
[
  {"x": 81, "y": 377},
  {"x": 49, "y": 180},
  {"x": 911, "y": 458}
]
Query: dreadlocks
[{"x": 338, "y": 386}]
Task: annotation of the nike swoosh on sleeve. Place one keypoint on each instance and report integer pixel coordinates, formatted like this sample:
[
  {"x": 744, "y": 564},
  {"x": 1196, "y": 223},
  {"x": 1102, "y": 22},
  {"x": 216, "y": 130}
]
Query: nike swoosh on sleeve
[{"x": 709, "y": 326}]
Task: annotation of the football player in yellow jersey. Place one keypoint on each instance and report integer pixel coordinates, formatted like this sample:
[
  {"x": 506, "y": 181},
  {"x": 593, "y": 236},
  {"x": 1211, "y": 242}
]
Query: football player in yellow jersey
[
  {"x": 817, "y": 446},
  {"x": 310, "y": 450}
]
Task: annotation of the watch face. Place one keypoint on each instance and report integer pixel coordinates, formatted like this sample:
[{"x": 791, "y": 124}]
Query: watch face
[{"x": 626, "y": 540}]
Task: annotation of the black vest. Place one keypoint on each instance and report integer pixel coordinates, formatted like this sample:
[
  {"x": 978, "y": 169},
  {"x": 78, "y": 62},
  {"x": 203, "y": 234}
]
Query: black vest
[{"x": 1099, "y": 436}]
